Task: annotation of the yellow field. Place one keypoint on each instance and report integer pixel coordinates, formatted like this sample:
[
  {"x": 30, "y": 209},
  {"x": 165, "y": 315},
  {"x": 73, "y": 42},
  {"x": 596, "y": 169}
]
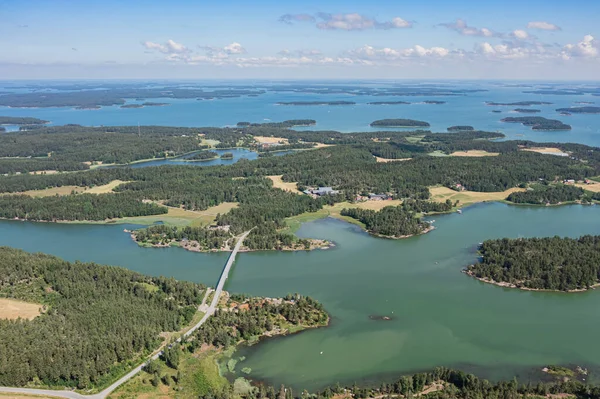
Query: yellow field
[
  {"x": 270, "y": 140},
  {"x": 474, "y": 153},
  {"x": 278, "y": 183},
  {"x": 379, "y": 159},
  {"x": 12, "y": 309},
  {"x": 441, "y": 194},
  {"x": 544, "y": 150},
  {"x": 66, "y": 190},
  {"x": 183, "y": 217},
  {"x": 321, "y": 145},
  {"x": 594, "y": 187}
]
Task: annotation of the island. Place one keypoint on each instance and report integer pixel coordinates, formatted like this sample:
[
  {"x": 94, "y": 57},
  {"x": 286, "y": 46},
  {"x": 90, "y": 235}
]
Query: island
[
  {"x": 301, "y": 103},
  {"x": 203, "y": 156},
  {"x": 388, "y": 103},
  {"x": 518, "y": 103},
  {"x": 549, "y": 263},
  {"x": 580, "y": 110},
  {"x": 460, "y": 128},
  {"x": 153, "y": 104},
  {"x": 227, "y": 155},
  {"x": 496, "y": 111},
  {"x": 434, "y": 102},
  {"x": 538, "y": 123},
  {"x": 527, "y": 110},
  {"x": 21, "y": 120},
  {"x": 132, "y": 106},
  {"x": 399, "y": 123},
  {"x": 553, "y": 194}
]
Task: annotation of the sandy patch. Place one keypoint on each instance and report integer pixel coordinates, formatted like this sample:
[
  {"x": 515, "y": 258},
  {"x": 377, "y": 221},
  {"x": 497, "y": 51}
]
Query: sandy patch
[
  {"x": 270, "y": 140},
  {"x": 545, "y": 150},
  {"x": 107, "y": 188},
  {"x": 321, "y": 145},
  {"x": 279, "y": 183},
  {"x": 379, "y": 159},
  {"x": 441, "y": 194},
  {"x": 12, "y": 309},
  {"x": 474, "y": 153}
]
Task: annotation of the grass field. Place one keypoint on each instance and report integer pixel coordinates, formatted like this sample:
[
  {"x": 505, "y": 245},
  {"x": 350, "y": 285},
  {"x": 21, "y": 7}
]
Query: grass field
[
  {"x": 552, "y": 150},
  {"x": 441, "y": 194},
  {"x": 474, "y": 153},
  {"x": 66, "y": 190},
  {"x": 12, "y": 309},
  {"x": 334, "y": 211},
  {"x": 594, "y": 187},
  {"x": 278, "y": 183},
  {"x": 183, "y": 217},
  {"x": 270, "y": 140}
]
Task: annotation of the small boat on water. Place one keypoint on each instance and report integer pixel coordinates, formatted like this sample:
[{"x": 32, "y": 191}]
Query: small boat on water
[{"x": 459, "y": 212}]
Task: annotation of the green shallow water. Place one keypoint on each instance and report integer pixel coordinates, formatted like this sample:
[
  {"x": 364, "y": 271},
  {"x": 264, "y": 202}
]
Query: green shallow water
[{"x": 439, "y": 315}]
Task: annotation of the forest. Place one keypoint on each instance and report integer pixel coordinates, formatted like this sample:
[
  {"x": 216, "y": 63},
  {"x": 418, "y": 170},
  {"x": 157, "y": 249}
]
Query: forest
[
  {"x": 580, "y": 110},
  {"x": 96, "y": 320},
  {"x": 549, "y": 263},
  {"x": 203, "y": 156},
  {"x": 21, "y": 120},
  {"x": 547, "y": 194}
]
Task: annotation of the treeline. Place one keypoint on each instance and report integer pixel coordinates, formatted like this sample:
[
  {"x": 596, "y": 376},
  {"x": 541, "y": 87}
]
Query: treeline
[
  {"x": 419, "y": 206},
  {"x": 286, "y": 147},
  {"x": 207, "y": 239},
  {"x": 82, "y": 207},
  {"x": 98, "y": 319},
  {"x": 552, "y": 194},
  {"x": 399, "y": 123},
  {"x": 391, "y": 221},
  {"x": 550, "y": 263},
  {"x": 203, "y": 155},
  {"x": 538, "y": 122}
]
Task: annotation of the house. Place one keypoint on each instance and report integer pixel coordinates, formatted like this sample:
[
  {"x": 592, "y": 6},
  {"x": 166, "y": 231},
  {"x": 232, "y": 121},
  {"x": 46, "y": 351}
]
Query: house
[
  {"x": 321, "y": 191},
  {"x": 458, "y": 187},
  {"x": 569, "y": 181}
]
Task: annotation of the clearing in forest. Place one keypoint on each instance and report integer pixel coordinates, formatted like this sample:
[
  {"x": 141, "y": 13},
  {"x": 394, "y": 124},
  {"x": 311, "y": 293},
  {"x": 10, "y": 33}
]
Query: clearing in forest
[
  {"x": 441, "y": 194},
  {"x": 474, "y": 153},
  {"x": 12, "y": 309},
  {"x": 66, "y": 190},
  {"x": 379, "y": 159},
  {"x": 279, "y": 183}
]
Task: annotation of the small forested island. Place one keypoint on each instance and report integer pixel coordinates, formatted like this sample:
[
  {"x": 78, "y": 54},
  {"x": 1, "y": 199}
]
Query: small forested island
[
  {"x": 227, "y": 155},
  {"x": 394, "y": 221},
  {"x": 434, "y": 102},
  {"x": 460, "y": 128},
  {"x": 203, "y": 156},
  {"x": 21, "y": 120},
  {"x": 527, "y": 110},
  {"x": 550, "y": 263},
  {"x": 153, "y": 104},
  {"x": 580, "y": 110},
  {"x": 496, "y": 111},
  {"x": 315, "y": 103},
  {"x": 519, "y": 103},
  {"x": 285, "y": 124},
  {"x": 538, "y": 123},
  {"x": 399, "y": 123},
  {"x": 132, "y": 106},
  {"x": 388, "y": 103}
]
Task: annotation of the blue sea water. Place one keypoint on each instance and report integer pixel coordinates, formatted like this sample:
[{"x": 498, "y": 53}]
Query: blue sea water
[{"x": 467, "y": 109}]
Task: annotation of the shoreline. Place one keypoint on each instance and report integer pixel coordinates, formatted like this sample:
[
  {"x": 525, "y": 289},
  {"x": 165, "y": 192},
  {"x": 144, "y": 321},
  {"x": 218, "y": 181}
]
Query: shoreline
[
  {"x": 427, "y": 230},
  {"x": 514, "y": 286}
]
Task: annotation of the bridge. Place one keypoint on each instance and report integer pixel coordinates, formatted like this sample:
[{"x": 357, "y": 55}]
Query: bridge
[{"x": 107, "y": 391}]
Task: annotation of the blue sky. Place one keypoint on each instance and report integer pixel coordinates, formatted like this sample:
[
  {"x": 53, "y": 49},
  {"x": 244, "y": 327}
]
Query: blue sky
[{"x": 308, "y": 39}]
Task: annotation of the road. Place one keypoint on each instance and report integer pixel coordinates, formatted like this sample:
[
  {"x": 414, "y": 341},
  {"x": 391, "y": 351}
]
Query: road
[{"x": 103, "y": 394}]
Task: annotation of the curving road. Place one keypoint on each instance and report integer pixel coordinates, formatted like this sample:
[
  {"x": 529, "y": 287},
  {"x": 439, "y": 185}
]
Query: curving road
[{"x": 103, "y": 394}]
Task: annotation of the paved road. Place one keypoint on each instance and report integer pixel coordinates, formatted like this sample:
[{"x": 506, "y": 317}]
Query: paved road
[{"x": 103, "y": 394}]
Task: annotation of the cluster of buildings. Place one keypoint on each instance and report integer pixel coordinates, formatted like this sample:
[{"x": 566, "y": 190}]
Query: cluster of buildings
[
  {"x": 319, "y": 192},
  {"x": 373, "y": 197}
]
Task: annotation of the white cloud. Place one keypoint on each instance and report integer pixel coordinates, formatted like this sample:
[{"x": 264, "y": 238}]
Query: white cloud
[
  {"x": 387, "y": 53},
  {"x": 542, "y": 25},
  {"x": 587, "y": 48},
  {"x": 461, "y": 27},
  {"x": 348, "y": 22},
  {"x": 170, "y": 47},
  {"x": 234, "y": 48},
  {"x": 520, "y": 34}
]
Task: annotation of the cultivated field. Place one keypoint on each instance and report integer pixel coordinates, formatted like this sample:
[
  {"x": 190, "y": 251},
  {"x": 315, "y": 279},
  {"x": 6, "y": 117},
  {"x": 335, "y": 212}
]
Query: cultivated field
[
  {"x": 547, "y": 150},
  {"x": 474, "y": 153},
  {"x": 379, "y": 159},
  {"x": 278, "y": 183},
  {"x": 270, "y": 140},
  {"x": 441, "y": 194},
  {"x": 66, "y": 190}
]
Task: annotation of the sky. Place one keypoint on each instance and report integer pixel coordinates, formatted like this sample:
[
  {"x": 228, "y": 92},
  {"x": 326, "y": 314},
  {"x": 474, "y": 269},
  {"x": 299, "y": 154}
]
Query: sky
[{"x": 264, "y": 39}]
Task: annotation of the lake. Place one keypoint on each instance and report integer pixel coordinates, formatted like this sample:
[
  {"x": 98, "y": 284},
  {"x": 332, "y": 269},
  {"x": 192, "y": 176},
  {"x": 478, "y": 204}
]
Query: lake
[{"x": 440, "y": 316}]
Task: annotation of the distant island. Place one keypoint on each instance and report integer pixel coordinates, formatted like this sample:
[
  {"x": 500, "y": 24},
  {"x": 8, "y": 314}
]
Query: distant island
[
  {"x": 399, "y": 123},
  {"x": 388, "y": 103},
  {"x": 316, "y": 103},
  {"x": 152, "y": 104},
  {"x": 203, "y": 156},
  {"x": 518, "y": 103},
  {"x": 227, "y": 155},
  {"x": 83, "y": 107},
  {"x": 580, "y": 110},
  {"x": 285, "y": 124},
  {"x": 550, "y": 263},
  {"x": 21, "y": 120},
  {"x": 527, "y": 110},
  {"x": 434, "y": 102},
  {"x": 538, "y": 123},
  {"x": 460, "y": 128},
  {"x": 132, "y": 106},
  {"x": 496, "y": 111}
]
